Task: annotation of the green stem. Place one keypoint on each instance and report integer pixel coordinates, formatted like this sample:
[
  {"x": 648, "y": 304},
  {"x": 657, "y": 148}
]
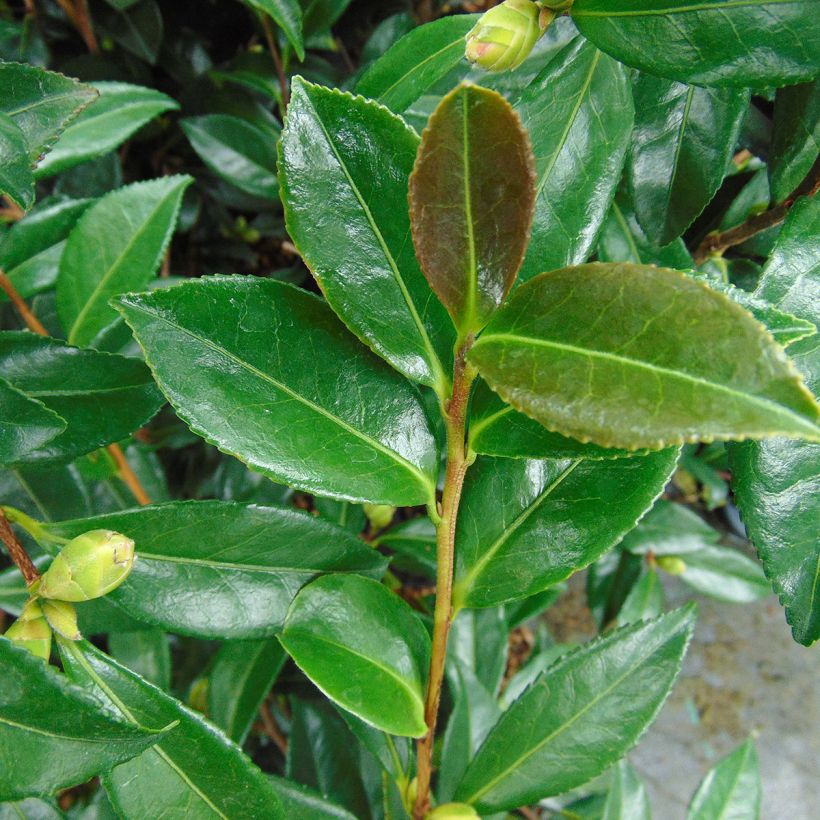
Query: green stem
[{"x": 457, "y": 464}]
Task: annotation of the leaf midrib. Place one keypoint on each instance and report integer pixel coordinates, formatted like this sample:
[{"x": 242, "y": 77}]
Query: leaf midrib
[{"x": 212, "y": 564}]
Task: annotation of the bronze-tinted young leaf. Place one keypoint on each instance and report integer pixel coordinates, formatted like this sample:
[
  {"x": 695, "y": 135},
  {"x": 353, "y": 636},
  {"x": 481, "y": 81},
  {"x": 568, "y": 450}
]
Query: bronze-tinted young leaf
[
  {"x": 471, "y": 202},
  {"x": 638, "y": 356}
]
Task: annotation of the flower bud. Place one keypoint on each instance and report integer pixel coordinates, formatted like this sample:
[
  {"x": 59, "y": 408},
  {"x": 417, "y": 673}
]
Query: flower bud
[
  {"x": 671, "y": 564},
  {"x": 505, "y": 35},
  {"x": 379, "y": 515},
  {"x": 62, "y": 618},
  {"x": 88, "y": 566},
  {"x": 453, "y": 811},
  {"x": 31, "y": 631}
]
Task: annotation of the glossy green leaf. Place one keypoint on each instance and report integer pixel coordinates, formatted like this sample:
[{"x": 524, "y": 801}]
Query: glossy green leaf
[
  {"x": 478, "y": 642},
  {"x": 534, "y": 667},
  {"x": 708, "y": 42},
  {"x": 364, "y": 648},
  {"x": 683, "y": 142},
  {"x": 16, "y": 179},
  {"x": 625, "y": 361},
  {"x": 236, "y": 150},
  {"x": 645, "y": 600},
  {"x": 471, "y": 203},
  {"x": 412, "y": 66},
  {"x": 102, "y": 397},
  {"x": 221, "y": 569},
  {"x": 30, "y": 251},
  {"x": 795, "y": 137},
  {"x": 627, "y": 798},
  {"x": 524, "y": 525},
  {"x": 590, "y": 707},
  {"x": 41, "y": 103},
  {"x": 348, "y": 516},
  {"x": 578, "y": 112},
  {"x": 271, "y": 393},
  {"x": 145, "y": 652},
  {"x": 52, "y": 734},
  {"x": 31, "y": 809},
  {"x": 414, "y": 545},
  {"x": 731, "y": 790},
  {"x": 287, "y": 14},
  {"x": 119, "y": 112},
  {"x": 26, "y": 424},
  {"x": 670, "y": 529},
  {"x": 137, "y": 28},
  {"x": 349, "y": 160},
  {"x": 117, "y": 246},
  {"x": 392, "y": 753},
  {"x": 193, "y": 771},
  {"x": 297, "y": 801},
  {"x": 725, "y": 574},
  {"x": 242, "y": 674},
  {"x": 320, "y": 15}
]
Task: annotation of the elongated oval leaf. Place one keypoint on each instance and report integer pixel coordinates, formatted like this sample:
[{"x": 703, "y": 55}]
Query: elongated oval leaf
[
  {"x": 221, "y": 569},
  {"x": 350, "y": 160},
  {"x": 708, "y": 42},
  {"x": 101, "y": 397},
  {"x": 287, "y": 14},
  {"x": 578, "y": 111},
  {"x": 637, "y": 356},
  {"x": 731, "y": 790},
  {"x": 116, "y": 247},
  {"x": 524, "y": 525},
  {"x": 683, "y": 141},
  {"x": 52, "y": 734},
  {"x": 193, "y": 771},
  {"x": 408, "y": 69},
  {"x": 25, "y": 424},
  {"x": 235, "y": 150},
  {"x": 364, "y": 648},
  {"x": 280, "y": 386},
  {"x": 627, "y": 798},
  {"x": 471, "y": 202},
  {"x": 795, "y": 137},
  {"x": 590, "y": 707},
  {"x": 16, "y": 179},
  {"x": 120, "y": 111}
]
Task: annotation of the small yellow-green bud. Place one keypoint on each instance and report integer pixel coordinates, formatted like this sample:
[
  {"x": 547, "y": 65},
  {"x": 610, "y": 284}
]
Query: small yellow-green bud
[
  {"x": 88, "y": 566},
  {"x": 31, "y": 631},
  {"x": 452, "y": 811},
  {"x": 671, "y": 564},
  {"x": 379, "y": 515},
  {"x": 505, "y": 35},
  {"x": 62, "y": 618}
]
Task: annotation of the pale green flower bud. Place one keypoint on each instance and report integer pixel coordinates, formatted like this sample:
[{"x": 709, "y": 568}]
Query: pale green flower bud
[
  {"x": 671, "y": 564},
  {"x": 453, "y": 811},
  {"x": 505, "y": 35},
  {"x": 379, "y": 515},
  {"x": 89, "y": 566},
  {"x": 31, "y": 631},
  {"x": 62, "y": 618}
]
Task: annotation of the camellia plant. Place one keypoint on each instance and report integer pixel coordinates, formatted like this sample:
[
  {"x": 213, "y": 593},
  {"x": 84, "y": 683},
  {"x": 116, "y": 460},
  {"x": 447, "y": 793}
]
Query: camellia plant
[{"x": 366, "y": 486}]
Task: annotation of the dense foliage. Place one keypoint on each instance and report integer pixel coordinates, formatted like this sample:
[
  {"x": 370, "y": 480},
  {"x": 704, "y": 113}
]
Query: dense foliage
[{"x": 279, "y": 541}]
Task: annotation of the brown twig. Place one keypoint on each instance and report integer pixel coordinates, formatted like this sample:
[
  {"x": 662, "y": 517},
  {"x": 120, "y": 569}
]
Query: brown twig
[
  {"x": 11, "y": 212},
  {"x": 277, "y": 60},
  {"x": 32, "y": 322},
  {"x": 80, "y": 17},
  {"x": 715, "y": 244},
  {"x": 271, "y": 729},
  {"x": 17, "y": 551},
  {"x": 529, "y": 813},
  {"x": 128, "y": 475}
]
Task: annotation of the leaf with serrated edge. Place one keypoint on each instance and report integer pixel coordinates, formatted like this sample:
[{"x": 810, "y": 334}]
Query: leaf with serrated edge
[
  {"x": 25, "y": 423},
  {"x": 16, "y": 180},
  {"x": 731, "y": 790}
]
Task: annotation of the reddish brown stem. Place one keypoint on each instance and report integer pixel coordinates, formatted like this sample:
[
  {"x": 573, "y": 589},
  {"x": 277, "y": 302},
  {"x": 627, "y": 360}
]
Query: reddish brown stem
[
  {"x": 32, "y": 322},
  {"x": 17, "y": 551},
  {"x": 80, "y": 17},
  {"x": 277, "y": 60}
]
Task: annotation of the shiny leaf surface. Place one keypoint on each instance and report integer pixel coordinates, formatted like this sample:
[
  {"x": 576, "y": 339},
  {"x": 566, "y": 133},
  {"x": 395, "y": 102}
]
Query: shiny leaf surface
[
  {"x": 364, "y": 648},
  {"x": 623, "y": 362},
  {"x": 627, "y": 798},
  {"x": 282, "y": 390},
  {"x": 795, "y": 137},
  {"x": 644, "y": 601},
  {"x": 25, "y": 424},
  {"x": 471, "y": 203},
  {"x": 525, "y": 525},
  {"x": 731, "y": 790},
  {"x": 590, "y": 707},
  {"x": 16, "y": 179},
  {"x": 345, "y": 163},
  {"x": 725, "y": 574},
  {"x": 287, "y": 14}
]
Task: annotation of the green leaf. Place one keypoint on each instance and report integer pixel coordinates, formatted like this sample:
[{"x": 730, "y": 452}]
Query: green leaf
[
  {"x": 272, "y": 393},
  {"x": 31, "y": 809},
  {"x": 145, "y": 652},
  {"x": 297, "y": 801},
  {"x": 683, "y": 143},
  {"x": 16, "y": 179},
  {"x": 525, "y": 525},
  {"x": 30, "y": 251},
  {"x": 795, "y": 137},
  {"x": 731, "y": 790},
  {"x": 53, "y": 735},
  {"x": 138, "y": 28},
  {"x": 478, "y": 641},
  {"x": 320, "y": 15},
  {"x": 471, "y": 203},
  {"x": 578, "y": 111},
  {"x": 120, "y": 111},
  {"x": 644, "y": 601},
  {"x": 236, "y": 150},
  {"x": 725, "y": 574},
  {"x": 224, "y": 570},
  {"x": 625, "y": 362},
  {"x": 287, "y": 14},
  {"x": 116, "y": 246},
  {"x": 193, "y": 771},
  {"x": 350, "y": 160},
  {"x": 41, "y": 103},
  {"x": 25, "y": 424},
  {"x": 590, "y": 707},
  {"x": 102, "y": 397},
  {"x": 670, "y": 529},
  {"x": 364, "y": 648},
  {"x": 414, "y": 545},
  {"x": 707, "y": 42},
  {"x": 242, "y": 674},
  {"x": 627, "y": 798},
  {"x": 414, "y": 64}
]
